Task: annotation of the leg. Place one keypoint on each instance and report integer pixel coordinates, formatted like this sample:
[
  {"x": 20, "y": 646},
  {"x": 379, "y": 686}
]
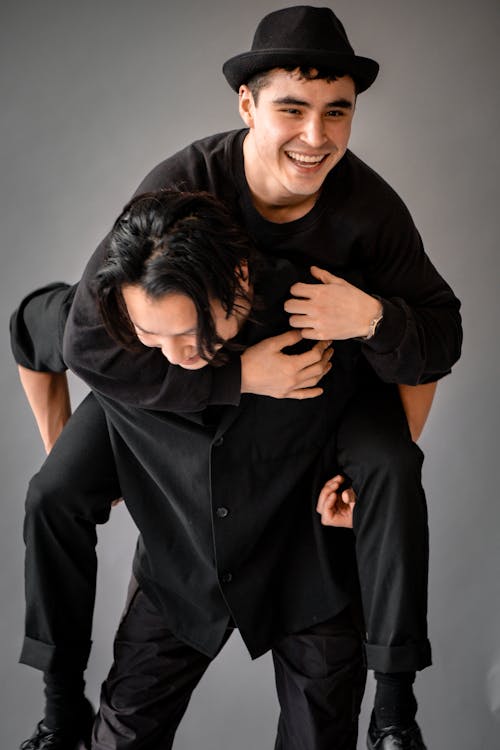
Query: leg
[
  {"x": 71, "y": 493},
  {"x": 390, "y": 525},
  {"x": 150, "y": 683},
  {"x": 320, "y": 678},
  {"x": 66, "y": 499}
]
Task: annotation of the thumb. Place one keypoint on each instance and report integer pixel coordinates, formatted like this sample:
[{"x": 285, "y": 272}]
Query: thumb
[
  {"x": 322, "y": 275},
  {"x": 286, "y": 339}
]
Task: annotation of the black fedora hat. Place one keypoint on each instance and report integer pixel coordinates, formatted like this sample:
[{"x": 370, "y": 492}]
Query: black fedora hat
[{"x": 300, "y": 36}]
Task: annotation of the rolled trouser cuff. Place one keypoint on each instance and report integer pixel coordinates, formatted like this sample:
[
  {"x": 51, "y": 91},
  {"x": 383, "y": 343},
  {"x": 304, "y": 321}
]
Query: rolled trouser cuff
[
  {"x": 51, "y": 658},
  {"x": 409, "y": 658}
]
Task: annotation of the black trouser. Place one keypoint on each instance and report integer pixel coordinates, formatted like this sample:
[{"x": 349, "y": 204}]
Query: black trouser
[
  {"x": 375, "y": 450},
  {"x": 320, "y": 677},
  {"x": 77, "y": 483},
  {"x": 71, "y": 493}
]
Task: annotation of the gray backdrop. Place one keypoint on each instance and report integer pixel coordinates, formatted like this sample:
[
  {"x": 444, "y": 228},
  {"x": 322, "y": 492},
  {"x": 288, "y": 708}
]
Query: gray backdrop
[{"x": 92, "y": 95}]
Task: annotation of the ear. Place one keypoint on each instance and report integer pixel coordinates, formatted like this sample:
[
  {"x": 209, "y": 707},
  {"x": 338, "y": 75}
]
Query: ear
[{"x": 246, "y": 105}]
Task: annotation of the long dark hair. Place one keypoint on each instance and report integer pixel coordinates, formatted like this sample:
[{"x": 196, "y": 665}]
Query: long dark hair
[{"x": 176, "y": 242}]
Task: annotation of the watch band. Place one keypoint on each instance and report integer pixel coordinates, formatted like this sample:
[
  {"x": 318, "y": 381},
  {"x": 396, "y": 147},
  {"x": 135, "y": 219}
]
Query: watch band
[{"x": 372, "y": 328}]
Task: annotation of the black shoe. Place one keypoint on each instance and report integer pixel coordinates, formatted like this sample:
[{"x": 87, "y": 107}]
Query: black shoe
[
  {"x": 394, "y": 738},
  {"x": 67, "y": 738}
]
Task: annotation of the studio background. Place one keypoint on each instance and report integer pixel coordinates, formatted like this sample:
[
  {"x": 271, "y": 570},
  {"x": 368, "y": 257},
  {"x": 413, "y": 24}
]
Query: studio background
[{"x": 92, "y": 95}]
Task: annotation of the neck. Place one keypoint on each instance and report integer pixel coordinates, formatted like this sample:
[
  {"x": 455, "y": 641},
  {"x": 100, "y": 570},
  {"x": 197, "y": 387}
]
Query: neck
[{"x": 281, "y": 214}]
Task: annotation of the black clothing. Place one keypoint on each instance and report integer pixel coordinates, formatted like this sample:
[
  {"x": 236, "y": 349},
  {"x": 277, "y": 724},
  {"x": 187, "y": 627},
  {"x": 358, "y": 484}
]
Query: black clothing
[
  {"x": 320, "y": 676},
  {"x": 395, "y": 703},
  {"x": 75, "y": 486},
  {"x": 267, "y": 560},
  {"x": 70, "y": 494},
  {"x": 358, "y": 229},
  {"x": 64, "y": 699},
  {"x": 375, "y": 449}
]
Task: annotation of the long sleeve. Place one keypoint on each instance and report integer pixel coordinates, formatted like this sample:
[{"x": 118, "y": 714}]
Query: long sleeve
[
  {"x": 142, "y": 378},
  {"x": 145, "y": 378},
  {"x": 420, "y": 337}
]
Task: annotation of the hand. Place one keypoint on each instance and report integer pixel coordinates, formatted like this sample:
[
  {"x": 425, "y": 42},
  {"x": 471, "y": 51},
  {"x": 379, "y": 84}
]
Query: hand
[
  {"x": 336, "y": 507},
  {"x": 266, "y": 371},
  {"x": 331, "y": 310},
  {"x": 116, "y": 502}
]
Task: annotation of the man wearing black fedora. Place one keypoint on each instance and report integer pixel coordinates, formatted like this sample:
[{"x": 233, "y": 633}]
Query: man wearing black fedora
[{"x": 290, "y": 179}]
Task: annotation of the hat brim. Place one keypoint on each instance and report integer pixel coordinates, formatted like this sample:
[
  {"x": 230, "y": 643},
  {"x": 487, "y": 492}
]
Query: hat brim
[{"x": 239, "y": 69}]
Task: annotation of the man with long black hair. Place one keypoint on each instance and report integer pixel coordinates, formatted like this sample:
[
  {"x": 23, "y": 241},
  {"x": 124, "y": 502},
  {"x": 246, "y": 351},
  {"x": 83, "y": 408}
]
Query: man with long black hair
[{"x": 223, "y": 497}]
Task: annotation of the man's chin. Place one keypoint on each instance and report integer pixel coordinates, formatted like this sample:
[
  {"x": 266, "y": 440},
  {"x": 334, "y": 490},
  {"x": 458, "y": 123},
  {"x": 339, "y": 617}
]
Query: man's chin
[{"x": 194, "y": 363}]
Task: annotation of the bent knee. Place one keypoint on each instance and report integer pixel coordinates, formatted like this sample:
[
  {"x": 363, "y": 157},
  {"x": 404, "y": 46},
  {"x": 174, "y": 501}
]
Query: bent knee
[
  {"x": 47, "y": 493},
  {"x": 54, "y": 495}
]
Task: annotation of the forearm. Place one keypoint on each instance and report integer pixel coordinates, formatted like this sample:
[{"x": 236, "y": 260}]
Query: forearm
[
  {"x": 417, "y": 402},
  {"x": 413, "y": 341},
  {"x": 48, "y": 397}
]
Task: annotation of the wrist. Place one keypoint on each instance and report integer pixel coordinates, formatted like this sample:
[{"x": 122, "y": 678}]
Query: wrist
[{"x": 375, "y": 316}]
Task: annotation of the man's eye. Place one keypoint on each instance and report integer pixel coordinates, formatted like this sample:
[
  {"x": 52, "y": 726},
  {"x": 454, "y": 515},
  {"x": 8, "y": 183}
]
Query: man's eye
[
  {"x": 335, "y": 113},
  {"x": 291, "y": 111}
]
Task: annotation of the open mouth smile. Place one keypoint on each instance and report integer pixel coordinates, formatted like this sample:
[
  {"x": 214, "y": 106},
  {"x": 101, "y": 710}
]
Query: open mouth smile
[{"x": 304, "y": 160}]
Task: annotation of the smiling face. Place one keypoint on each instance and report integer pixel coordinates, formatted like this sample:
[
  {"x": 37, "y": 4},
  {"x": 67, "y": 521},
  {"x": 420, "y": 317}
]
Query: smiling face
[
  {"x": 298, "y": 131},
  {"x": 170, "y": 323}
]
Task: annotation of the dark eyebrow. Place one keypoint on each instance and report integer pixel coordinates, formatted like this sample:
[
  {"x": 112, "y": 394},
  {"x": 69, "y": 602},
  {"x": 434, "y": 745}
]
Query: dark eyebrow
[
  {"x": 153, "y": 333},
  {"x": 291, "y": 101}
]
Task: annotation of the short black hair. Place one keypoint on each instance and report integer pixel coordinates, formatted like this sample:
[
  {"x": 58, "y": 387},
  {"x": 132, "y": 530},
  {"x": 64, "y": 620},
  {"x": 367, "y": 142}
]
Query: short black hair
[
  {"x": 182, "y": 243},
  {"x": 308, "y": 73}
]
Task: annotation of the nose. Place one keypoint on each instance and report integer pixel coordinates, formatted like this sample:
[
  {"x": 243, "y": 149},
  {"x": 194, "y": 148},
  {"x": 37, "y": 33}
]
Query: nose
[
  {"x": 314, "y": 134},
  {"x": 177, "y": 350}
]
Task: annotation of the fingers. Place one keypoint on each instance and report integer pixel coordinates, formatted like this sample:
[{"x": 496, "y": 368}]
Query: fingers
[
  {"x": 320, "y": 352},
  {"x": 335, "y": 508},
  {"x": 284, "y": 339},
  {"x": 302, "y": 394},
  {"x": 306, "y": 291},
  {"x": 329, "y": 488},
  {"x": 303, "y": 384},
  {"x": 311, "y": 326},
  {"x": 298, "y": 306},
  {"x": 322, "y": 275},
  {"x": 312, "y": 334},
  {"x": 302, "y": 290},
  {"x": 349, "y": 496},
  {"x": 306, "y": 370},
  {"x": 308, "y": 375}
]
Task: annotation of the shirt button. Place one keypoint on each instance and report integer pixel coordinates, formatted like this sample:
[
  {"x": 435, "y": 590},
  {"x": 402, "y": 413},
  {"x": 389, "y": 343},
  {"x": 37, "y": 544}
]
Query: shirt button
[
  {"x": 222, "y": 512},
  {"x": 219, "y": 442},
  {"x": 227, "y": 577}
]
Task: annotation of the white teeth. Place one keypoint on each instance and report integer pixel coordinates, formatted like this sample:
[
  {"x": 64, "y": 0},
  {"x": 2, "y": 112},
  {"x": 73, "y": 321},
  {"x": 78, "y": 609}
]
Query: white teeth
[{"x": 304, "y": 159}]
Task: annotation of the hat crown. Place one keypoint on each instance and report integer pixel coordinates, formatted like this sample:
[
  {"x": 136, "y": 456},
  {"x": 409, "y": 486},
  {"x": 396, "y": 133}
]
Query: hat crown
[
  {"x": 302, "y": 27},
  {"x": 301, "y": 36}
]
